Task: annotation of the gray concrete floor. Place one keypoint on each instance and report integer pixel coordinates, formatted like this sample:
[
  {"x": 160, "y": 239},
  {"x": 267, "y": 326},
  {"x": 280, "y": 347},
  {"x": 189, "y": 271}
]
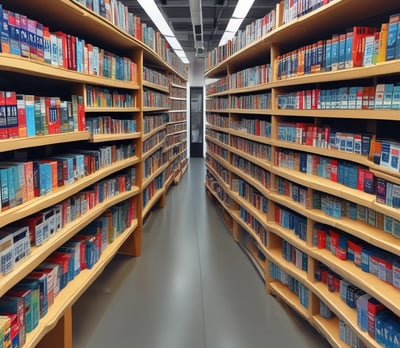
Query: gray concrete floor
[{"x": 193, "y": 287}]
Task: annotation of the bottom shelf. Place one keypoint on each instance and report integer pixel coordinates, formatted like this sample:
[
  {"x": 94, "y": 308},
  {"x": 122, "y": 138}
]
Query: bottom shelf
[
  {"x": 68, "y": 296},
  {"x": 330, "y": 330},
  {"x": 157, "y": 195}
]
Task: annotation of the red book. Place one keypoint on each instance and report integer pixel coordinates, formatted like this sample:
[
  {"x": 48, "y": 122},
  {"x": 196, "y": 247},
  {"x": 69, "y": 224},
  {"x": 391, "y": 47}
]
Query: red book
[
  {"x": 21, "y": 111},
  {"x": 374, "y": 307},
  {"x": 3, "y": 116},
  {"x": 334, "y": 170},
  {"x": 360, "y": 182},
  {"x": 359, "y": 34},
  {"x": 11, "y": 114},
  {"x": 81, "y": 114},
  {"x": 51, "y": 275},
  {"x": 321, "y": 239}
]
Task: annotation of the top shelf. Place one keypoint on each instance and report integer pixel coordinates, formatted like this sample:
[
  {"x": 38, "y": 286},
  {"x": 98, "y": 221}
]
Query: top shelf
[
  {"x": 336, "y": 15},
  {"x": 80, "y": 21}
]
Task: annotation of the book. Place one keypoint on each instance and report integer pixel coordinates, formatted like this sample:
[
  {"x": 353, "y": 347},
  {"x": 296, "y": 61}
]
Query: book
[
  {"x": 391, "y": 43},
  {"x": 11, "y": 114},
  {"x": 53, "y": 117},
  {"x": 383, "y": 37},
  {"x": 4, "y": 35},
  {"x": 14, "y": 32},
  {"x": 21, "y": 111},
  {"x": 32, "y": 38},
  {"x": 30, "y": 115}
]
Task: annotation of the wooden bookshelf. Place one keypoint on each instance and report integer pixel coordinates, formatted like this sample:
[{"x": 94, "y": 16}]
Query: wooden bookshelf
[
  {"x": 245, "y": 149},
  {"x": 36, "y": 77}
]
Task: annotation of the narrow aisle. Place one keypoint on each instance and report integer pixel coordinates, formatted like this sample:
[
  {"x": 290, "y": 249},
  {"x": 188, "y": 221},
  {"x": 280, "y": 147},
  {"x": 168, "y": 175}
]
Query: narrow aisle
[{"x": 193, "y": 287}]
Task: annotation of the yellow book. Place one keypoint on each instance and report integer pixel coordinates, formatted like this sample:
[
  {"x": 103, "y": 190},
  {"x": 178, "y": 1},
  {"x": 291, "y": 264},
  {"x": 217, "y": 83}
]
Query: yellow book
[{"x": 383, "y": 35}]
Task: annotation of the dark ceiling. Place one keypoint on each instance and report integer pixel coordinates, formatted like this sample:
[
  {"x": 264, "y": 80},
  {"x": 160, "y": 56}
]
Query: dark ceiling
[{"x": 216, "y": 14}]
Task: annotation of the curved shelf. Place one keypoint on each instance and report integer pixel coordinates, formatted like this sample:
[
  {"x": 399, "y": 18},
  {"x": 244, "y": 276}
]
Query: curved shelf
[
  {"x": 221, "y": 202},
  {"x": 343, "y": 311},
  {"x": 101, "y": 138},
  {"x": 153, "y": 132},
  {"x": 39, "y": 254},
  {"x": 387, "y": 174},
  {"x": 26, "y": 66},
  {"x": 219, "y": 111},
  {"x": 257, "y": 138},
  {"x": 176, "y": 111},
  {"x": 177, "y": 122},
  {"x": 221, "y": 182},
  {"x": 154, "y": 109},
  {"x": 177, "y": 98},
  {"x": 260, "y": 216},
  {"x": 42, "y": 140},
  {"x": 251, "y": 111},
  {"x": 146, "y": 181},
  {"x": 218, "y": 94},
  {"x": 152, "y": 85},
  {"x": 69, "y": 295},
  {"x": 250, "y": 180},
  {"x": 250, "y": 89},
  {"x": 330, "y": 330},
  {"x": 178, "y": 86},
  {"x": 39, "y": 203},
  {"x": 178, "y": 132},
  {"x": 217, "y": 128},
  {"x": 111, "y": 109},
  {"x": 152, "y": 201},
  {"x": 264, "y": 163},
  {"x": 217, "y": 142},
  {"x": 152, "y": 150},
  {"x": 383, "y": 292}
]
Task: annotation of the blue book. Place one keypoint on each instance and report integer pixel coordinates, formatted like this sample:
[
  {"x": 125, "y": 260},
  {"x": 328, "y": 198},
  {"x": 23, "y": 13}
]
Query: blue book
[
  {"x": 45, "y": 178},
  {"x": 13, "y": 32},
  {"x": 392, "y": 36},
  {"x": 328, "y": 53},
  {"x": 396, "y": 97},
  {"x": 4, "y": 35},
  {"x": 5, "y": 198},
  {"x": 342, "y": 51},
  {"x": 39, "y": 41},
  {"x": 348, "y": 60},
  {"x": 385, "y": 154},
  {"x": 388, "y": 96},
  {"x": 79, "y": 54}
]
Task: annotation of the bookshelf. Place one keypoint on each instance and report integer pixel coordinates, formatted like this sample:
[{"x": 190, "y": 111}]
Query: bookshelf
[
  {"x": 258, "y": 111},
  {"x": 81, "y": 183}
]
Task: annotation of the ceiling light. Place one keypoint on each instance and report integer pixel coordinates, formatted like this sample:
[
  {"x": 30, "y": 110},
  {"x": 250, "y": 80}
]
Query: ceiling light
[
  {"x": 150, "y": 7},
  {"x": 173, "y": 42},
  {"x": 242, "y": 8},
  {"x": 239, "y": 14}
]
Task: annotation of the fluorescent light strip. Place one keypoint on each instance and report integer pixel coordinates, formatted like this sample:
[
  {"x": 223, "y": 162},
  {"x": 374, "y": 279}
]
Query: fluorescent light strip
[
  {"x": 239, "y": 14},
  {"x": 152, "y": 10}
]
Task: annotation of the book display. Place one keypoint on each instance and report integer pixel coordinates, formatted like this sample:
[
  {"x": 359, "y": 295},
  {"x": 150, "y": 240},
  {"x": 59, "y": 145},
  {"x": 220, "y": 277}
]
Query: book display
[
  {"x": 86, "y": 139},
  {"x": 303, "y": 160}
]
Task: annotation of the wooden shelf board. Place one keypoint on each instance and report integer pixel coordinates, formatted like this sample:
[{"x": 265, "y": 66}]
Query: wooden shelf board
[
  {"x": 263, "y": 163},
  {"x": 221, "y": 202},
  {"x": 219, "y": 111},
  {"x": 283, "y": 292},
  {"x": 251, "y": 181},
  {"x": 260, "y": 216},
  {"x": 75, "y": 288},
  {"x": 217, "y": 142},
  {"x": 289, "y": 236},
  {"x": 176, "y": 111},
  {"x": 387, "y": 174},
  {"x": 177, "y": 122},
  {"x": 251, "y": 111},
  {"x": 146, "y": 181},
  {"x": 218, "y": 94},
  {"x": 152, "y": 150},
  {"x": 154, "y": 109},
  {"x": 99, "y": 138},
  {"x": 42, "y": 140},
  {"x": 39, "y": 203},
  {"x": 154, "y": 131},
  {"x": 250, "y": 89},
  {"x": 219, "y": 129},
  {"x": 161, "y": 88},
  {"x": 152, "y": 202},
  {"x": 178, "y": 86},
  {"x": 90, "y": 109},
  {"x": 330, "y": 330},
  {"x": 258, "y": 139},
  {"x": 177, "y": 98},
  {"x": 219, "y": 179}
]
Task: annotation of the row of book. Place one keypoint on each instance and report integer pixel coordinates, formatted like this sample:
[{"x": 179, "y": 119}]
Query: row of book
[
  {"x": 152, "y": 121},
  {"x": 382, "y": 96},
  {"x": 324, "y": 137},
  {"x": 154, "y": 140},
  {"x": 104, "y": 97},
  {"x": 250, "y": 194},
  {"x": 155, "y": 99},
  {"x": 154, "y": 76},
  {"x": 217, "y": 150},
  {"x": 152, "y": 188},
  {"x": 343, "y": 172},
  {"x": 252, "y": 148},
  {"x": 251, "y": 221},
  {"x": 368, "y": 309},
  {"x": 29, "y": 38},
  {"x": 291, "y": 220},
  {"x": 23, "y": 115},
  {"x": 109, "y": 125},
  {"x": 256, "y": 172},
  {"x": 252, "y": 32},
  {"x": 175, "y": 139},
  {"x": 298, "y": 288},
  {"x": 177, "y": 117},
  {"x": 220, "y": 103},
  {"x": 217, "y": 120},
  {"x": 258, "y": 127},
  {"x": 178, "y": 104},
  {"x": 253, "y": 101},
  {"x": 295, "y": 256},
  {"x": 360, "y": 46},
  {"x": 254, "y": 76},
  {"x": 292, "y": 9},
  {"x": 175, "y": 128},
  {"x": 177, "y": 92},
  {"x": 220, "y": 136},
  {"x": 385, "y": 153},
  {"x": 152, "y": 163},
  {"x": 218, "y": 168},
  {"x": 296, "y": 192},
  {"x": 218, "y": 86},
  {"x": 118, "y": 14},
  {"x": 22, "y": 181},
  {"x": 248, "y": 241},
  {"x": 25, "y": 304},
  {"x": 213, "y": 184}
]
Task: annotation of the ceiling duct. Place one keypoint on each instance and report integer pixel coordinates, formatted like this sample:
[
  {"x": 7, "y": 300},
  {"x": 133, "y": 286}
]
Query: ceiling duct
[{"x": 197, "y": 23}]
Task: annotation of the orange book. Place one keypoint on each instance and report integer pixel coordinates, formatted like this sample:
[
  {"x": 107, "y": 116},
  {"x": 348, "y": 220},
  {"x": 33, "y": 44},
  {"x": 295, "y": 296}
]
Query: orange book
[{"x": 383, "y": 35}]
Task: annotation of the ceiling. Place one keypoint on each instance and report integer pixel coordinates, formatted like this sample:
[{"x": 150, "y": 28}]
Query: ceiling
[{"x": 215, "y": 14}]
